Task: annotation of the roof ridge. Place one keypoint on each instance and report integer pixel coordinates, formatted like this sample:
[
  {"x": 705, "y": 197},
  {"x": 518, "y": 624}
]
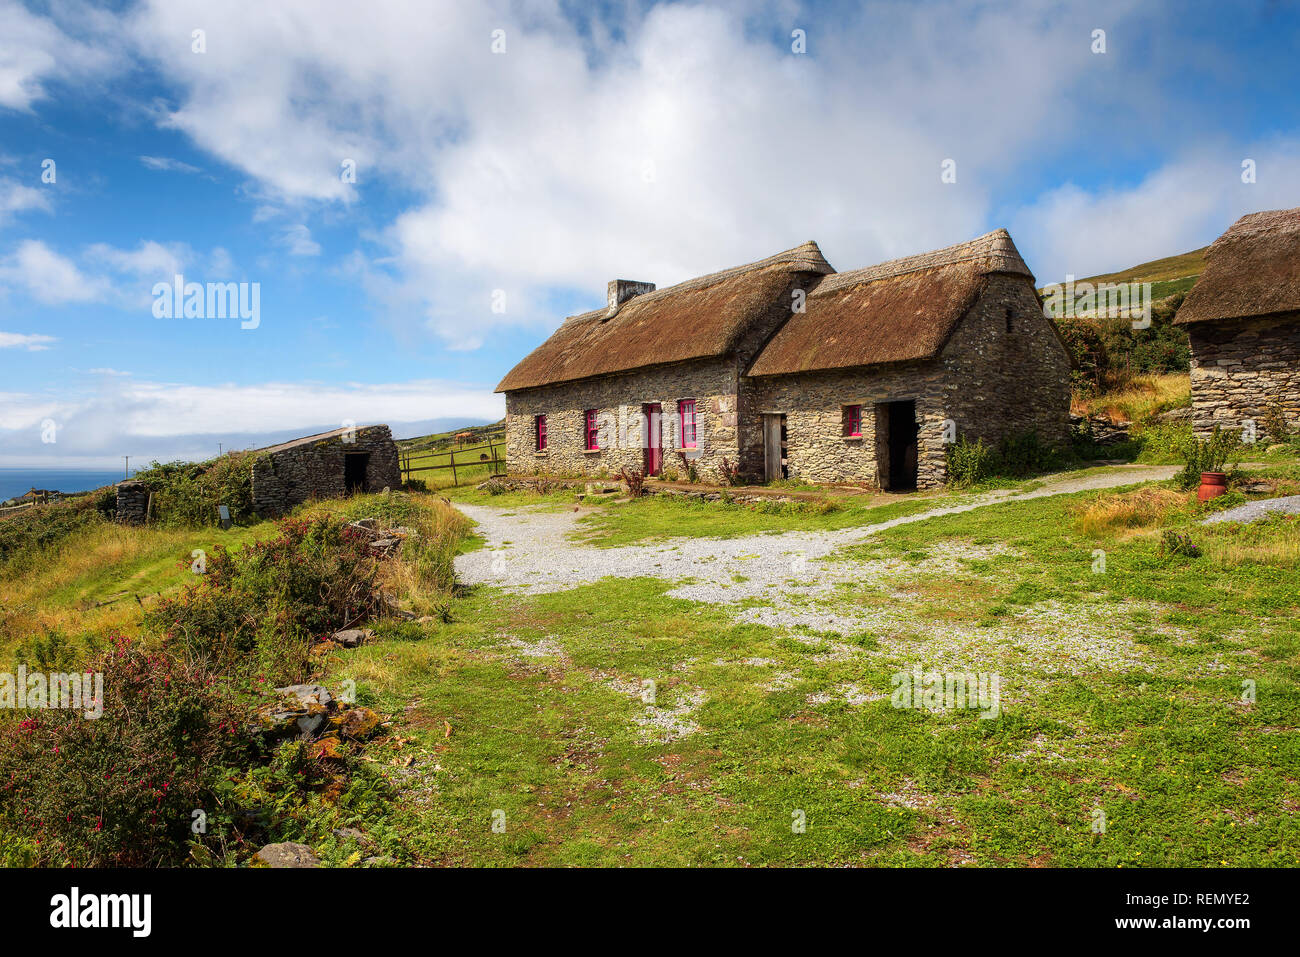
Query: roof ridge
[
  {"x": 811, "y": 258},
  {"x": 1263, "y": 221},
  {"x": 992, "y": 245}
]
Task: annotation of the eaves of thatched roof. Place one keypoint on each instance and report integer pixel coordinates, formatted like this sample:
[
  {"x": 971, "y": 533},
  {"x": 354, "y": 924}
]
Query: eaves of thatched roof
[{"x": 1251, "y": 270}]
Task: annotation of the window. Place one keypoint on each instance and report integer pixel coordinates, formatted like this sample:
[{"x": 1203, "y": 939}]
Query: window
[
  {"x": 853, "y": 421},
  {"x": 1008, "y": 319},
  {"x": 686, "y": 414},
  {"x": 592, "y": 434},
  {"x": 539, "y": 425}
]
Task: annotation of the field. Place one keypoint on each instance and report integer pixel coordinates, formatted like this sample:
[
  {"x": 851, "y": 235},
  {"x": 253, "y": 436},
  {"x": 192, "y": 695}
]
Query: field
[{"x": 728, "y": 698}]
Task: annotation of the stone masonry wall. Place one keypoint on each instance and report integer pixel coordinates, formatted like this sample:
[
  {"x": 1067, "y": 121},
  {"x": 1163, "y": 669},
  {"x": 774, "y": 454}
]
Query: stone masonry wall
[
  {"x": 132, "y": 503},
  {"x": 990, "y": 382},
  {"x": 618, "y": 400},
  {"x": 293, "y": 475},
  {"x": 1239, "y": 367}
]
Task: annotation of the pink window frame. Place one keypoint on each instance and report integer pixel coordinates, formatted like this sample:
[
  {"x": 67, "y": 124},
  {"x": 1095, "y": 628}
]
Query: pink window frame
[
  {"x": 591, "y": 434},
  {"x": 539, "y": 432},
  {"x": 687, "y": 415},
  {"x": 853, "y": 421}
]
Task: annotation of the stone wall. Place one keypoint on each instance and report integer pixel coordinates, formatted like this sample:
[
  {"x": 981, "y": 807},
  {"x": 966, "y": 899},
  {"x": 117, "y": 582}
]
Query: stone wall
[
  {"x": 1239, "y": 367},
  {"x": 618, "y": 401},
  {"x": 289, "y": 475},
  {"x": 132, "y": 503},
  {"x": 990, "y": 382}
]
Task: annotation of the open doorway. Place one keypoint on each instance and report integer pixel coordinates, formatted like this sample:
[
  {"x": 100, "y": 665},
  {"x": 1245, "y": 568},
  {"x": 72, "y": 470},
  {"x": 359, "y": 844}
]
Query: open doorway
[
  {"x": 354, "y": 471},
  {"x": 775, "y": 463},
  {"x": 896, "y": 445}
]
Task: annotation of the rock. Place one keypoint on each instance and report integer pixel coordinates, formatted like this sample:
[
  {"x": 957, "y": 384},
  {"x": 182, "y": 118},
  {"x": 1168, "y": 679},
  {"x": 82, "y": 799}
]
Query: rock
[
  {"x": 366, "y": 523},
  {"x": 1278, "y": 447},
  {"x": 353, "y": 834},
  {"x": 356, "y": 723},
  {"x": 384, "y": 861},
  {"x": 1176, "y": 415},
  {"x": 301, "y": 708},
  {"x": 395, "y": 610},
  {"x": 287, "y": 854},
  {"x": 326, "y": 749},
  {"x": 352, "y": 637},
  {"x": 383, "y": 547}
]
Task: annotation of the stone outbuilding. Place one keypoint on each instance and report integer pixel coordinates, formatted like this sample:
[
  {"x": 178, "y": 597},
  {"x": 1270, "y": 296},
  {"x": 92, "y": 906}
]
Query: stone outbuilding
[
  {"x": 327, "y": 465},
  {"x": 786, "y": 369},
  {"x": 1243, "y": 320}
]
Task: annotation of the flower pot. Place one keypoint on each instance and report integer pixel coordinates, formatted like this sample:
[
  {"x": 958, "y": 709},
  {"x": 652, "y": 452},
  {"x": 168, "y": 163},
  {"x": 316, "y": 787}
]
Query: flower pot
[{"x": 1213, "y": 484}]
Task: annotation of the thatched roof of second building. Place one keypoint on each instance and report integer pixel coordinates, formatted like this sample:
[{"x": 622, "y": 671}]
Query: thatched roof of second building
[
  {"x": 900, "y": 310},
  {"x": 696, "y": 319},
  {"x": 1251, "y": 270}
]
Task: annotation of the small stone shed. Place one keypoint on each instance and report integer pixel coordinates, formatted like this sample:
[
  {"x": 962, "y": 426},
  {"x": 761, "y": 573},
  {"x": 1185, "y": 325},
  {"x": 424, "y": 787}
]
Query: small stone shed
[
  {"x": 786, "y": 369},
  {"x": 327, "y": 465},
  {"x": 1243, "y": 320}
]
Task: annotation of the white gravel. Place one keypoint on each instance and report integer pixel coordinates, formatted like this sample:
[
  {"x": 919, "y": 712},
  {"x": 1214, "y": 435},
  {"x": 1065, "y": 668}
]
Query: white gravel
[
  {"x": 1253, "y": 511},
  {"x": 529, "y": 550}
]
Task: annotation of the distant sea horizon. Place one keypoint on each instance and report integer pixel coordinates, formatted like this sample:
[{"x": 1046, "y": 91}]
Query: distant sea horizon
[{"x": 15, "y": 482}]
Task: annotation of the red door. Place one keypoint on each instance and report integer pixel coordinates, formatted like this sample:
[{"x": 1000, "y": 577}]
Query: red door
[{"x": 654, "y": 438}]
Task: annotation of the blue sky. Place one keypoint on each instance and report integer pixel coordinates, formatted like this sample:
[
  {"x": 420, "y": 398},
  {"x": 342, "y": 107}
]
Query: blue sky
[{"x": 497, "y": 192}]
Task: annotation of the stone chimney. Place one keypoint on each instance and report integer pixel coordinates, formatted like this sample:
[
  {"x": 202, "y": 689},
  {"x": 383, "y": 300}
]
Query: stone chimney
[{"x": 621, "y": 290}]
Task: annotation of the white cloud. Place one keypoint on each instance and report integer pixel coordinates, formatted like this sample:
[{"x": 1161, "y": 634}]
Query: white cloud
[
  {"x": 49, "y": 277},
  {"x": 16, "y": 197},
  {"x": 32, "y": 342},
  {"x": 122, "y": 415},
  {"x": 297, "y": 239},
  {"x": 34, "y": 50},
  {"x": 167, "y": 164},
  {"x": 150, "y": 259},
  {"x": 1179, "y": 207},
  {"x": 693, "y": 144}
]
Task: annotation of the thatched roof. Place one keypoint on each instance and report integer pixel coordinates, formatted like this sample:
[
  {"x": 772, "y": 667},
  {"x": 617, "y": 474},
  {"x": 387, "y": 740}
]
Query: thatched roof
[
  {"x": 1251, "y": 270},
  {"x": 697, "y": 319},
  {"x": 901, "y": 310}
]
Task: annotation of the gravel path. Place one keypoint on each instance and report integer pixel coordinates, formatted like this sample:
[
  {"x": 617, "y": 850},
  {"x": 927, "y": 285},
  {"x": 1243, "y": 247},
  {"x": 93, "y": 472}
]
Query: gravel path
[
  {"x": 1253, "y": 511},
  {"x": 528, "y": 551}
]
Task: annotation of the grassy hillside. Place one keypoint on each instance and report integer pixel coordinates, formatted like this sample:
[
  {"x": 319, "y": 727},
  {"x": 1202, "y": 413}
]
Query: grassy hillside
[{"x": 1169, "y": 276}]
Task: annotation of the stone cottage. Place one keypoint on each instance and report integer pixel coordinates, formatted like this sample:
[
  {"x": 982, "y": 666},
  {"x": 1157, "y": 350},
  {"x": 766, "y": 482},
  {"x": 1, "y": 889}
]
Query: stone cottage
[
  {"x": 1243, "y": 320},
  {"x": 327, "y": 465},
  {"x": 786, "y": 369}
]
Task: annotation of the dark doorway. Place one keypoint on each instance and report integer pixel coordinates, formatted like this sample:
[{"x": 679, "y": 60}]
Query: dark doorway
[
  {"x": 354, "y": 471},
  {"x": 899, "y": 445}
]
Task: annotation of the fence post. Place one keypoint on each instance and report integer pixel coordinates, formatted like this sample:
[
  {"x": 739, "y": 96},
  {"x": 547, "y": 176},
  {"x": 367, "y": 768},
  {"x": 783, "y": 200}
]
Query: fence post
[
  {"x": 494, "y": 458},
  {"x": 452, "y": 458}
]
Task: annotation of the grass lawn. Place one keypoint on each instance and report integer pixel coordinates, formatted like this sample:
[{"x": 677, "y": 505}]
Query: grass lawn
[{"x": 614, "y": 724}]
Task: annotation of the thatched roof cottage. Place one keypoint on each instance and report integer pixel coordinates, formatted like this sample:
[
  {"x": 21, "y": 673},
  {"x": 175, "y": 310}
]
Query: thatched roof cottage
[
  {"x": 785, "y": 368},
  {"x": 1243, "y": 320}
]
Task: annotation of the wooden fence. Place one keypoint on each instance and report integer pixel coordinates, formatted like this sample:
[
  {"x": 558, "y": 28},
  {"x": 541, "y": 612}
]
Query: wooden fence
[{"x": 495, "y": 462}]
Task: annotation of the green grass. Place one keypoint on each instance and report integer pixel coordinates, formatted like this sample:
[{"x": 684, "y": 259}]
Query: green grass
[{"x": 541, "y": 696}]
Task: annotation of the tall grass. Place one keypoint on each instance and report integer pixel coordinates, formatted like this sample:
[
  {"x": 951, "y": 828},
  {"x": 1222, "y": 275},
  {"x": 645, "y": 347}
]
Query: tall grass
[{"x": 1140, "y": 508}]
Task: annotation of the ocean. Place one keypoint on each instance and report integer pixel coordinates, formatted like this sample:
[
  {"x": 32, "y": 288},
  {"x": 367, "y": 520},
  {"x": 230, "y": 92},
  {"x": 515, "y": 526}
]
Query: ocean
[{"x": 14, "y": 482}]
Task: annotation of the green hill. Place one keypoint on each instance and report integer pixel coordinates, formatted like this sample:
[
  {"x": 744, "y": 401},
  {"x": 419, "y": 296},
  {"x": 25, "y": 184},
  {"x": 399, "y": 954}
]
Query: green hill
[{"x": 1168, "y": 276}]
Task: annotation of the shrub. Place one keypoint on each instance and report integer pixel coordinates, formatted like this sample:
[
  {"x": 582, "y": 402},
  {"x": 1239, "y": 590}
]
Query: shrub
[
  {"x": 731, "y": 473},
  {"x": 121, "y": 790},
  {"x": 689, "y": 467},
  {"x": 1275, "y": 424},
  {"x": 187, "y": 494},
  {"x": 969, "y": 463},
  {"x": 1208, "y": 455},
  {"x": 1178, "y": 543},
  {"x": 24, "y": 536},
  {"x": 634, "y": 479},
  {"x": 313, "y": 578}
]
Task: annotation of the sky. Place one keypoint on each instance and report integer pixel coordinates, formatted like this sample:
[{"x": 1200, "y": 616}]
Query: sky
[{"x": 415, "y": 194}]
